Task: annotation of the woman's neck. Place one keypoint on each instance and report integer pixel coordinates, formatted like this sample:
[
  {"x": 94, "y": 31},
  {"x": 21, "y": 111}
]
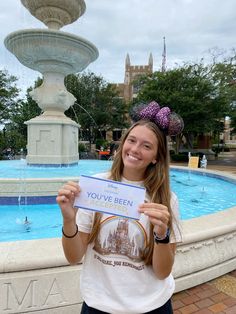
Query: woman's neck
[{"x": 133, "y": 176}]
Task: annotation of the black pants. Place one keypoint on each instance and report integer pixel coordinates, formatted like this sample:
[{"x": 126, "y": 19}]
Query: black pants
[{"x": 164, "y": 309}]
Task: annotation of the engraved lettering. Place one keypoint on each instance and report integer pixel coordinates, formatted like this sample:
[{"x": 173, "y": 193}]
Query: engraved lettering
[
  {"x": 55, "y": 291},
  {"x": 12, "y": 299}
]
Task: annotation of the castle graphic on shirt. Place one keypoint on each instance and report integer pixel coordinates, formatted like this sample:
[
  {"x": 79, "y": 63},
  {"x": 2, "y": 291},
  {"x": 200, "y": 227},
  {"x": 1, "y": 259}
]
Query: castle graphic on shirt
[{"x": 123, "y": 238}]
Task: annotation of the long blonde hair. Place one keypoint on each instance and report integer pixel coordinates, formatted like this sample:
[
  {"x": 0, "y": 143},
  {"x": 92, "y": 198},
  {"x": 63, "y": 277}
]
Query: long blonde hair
[{"x": 156, "y": 180}]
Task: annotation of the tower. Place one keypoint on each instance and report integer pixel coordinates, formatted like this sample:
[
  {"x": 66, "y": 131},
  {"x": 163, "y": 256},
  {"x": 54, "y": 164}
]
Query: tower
[{"x": 132, "y": 72}]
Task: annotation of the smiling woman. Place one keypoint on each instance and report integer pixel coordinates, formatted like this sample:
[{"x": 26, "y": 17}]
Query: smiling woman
[{"x": 144, "y": 249}]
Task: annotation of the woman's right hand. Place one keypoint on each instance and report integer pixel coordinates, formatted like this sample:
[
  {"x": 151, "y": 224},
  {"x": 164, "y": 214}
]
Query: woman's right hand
[{"x": 65, "y": 199}]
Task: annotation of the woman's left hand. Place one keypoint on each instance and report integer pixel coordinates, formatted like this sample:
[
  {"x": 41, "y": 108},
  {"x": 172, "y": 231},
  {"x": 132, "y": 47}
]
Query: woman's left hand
[{"x": 158, "y": 215}]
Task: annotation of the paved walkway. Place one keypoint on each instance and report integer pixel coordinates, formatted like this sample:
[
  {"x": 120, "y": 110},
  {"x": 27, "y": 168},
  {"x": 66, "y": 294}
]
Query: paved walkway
[{"x": 218, "y": 295}]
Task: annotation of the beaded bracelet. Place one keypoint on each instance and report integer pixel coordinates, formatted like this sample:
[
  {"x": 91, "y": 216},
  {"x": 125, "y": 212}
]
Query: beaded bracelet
[
  {"x": 72, "y": 236},
  {"x": 165, "y": 239}
]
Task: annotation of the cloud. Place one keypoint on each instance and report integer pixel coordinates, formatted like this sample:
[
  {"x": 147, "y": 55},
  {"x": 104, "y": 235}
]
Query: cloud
[{"x": 137, "y": 27}]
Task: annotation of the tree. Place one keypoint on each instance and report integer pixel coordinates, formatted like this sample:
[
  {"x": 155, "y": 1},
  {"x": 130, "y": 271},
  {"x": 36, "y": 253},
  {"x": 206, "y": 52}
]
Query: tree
[
  {"x": 97, "y": 107},
  {"x": 8, "y": 94},
  {"x": 233, "y": 121},
  {"x": 19, "y": 113},
  {"x": 201, "y": 94},
  {"x": 187, "y": 91},
  {"x": 9, "y": 99},
  {"x": 223, "y": 75}
]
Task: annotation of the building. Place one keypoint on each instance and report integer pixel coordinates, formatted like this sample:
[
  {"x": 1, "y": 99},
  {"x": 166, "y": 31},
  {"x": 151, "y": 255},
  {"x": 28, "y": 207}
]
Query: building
[{"x": 129, "y": 89}]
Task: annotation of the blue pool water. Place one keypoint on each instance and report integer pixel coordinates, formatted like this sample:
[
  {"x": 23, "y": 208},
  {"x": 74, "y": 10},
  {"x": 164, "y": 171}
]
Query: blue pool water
[
  {"x": 199, "y": 194},
  {"x": 19, "y": 169},
  {"x": 202, "y": 194}
]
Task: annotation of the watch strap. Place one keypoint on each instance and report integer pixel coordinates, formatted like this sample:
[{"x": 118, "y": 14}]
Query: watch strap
[{"x": 166, "y": 239}]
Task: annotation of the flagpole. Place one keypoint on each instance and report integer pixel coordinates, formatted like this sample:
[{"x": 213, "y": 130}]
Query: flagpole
[{"x": 163, "y": 67}]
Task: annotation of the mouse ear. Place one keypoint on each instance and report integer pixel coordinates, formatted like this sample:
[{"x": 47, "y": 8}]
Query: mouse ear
[
  {"x": 150, "y": 111},
  {"x": 162, "y": 118},
  {"x": 176, "y": 124}
]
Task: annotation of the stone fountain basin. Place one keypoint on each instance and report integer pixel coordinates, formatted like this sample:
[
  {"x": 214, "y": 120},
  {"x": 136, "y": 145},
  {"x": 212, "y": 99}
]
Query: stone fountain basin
[
  {"x": 35, "y": 276},
  {"x": 46, "y": 50},
  {"x": 64, "y": 12}
]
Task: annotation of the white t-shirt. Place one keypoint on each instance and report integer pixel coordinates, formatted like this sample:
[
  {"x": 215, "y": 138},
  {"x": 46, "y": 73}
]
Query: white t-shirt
[{"x": 114, "y": 278}]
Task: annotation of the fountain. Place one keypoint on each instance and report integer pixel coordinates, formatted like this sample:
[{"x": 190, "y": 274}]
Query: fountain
[{"x": 52, "y": 137}]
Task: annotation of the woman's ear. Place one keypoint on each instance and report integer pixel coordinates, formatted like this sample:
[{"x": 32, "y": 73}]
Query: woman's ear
[{"x": 154, "y": 162}]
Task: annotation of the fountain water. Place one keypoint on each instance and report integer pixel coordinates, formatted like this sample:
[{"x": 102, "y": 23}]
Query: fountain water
[
  {"x": 203, "y": 165},
  {"x": 52, "y": 137}
]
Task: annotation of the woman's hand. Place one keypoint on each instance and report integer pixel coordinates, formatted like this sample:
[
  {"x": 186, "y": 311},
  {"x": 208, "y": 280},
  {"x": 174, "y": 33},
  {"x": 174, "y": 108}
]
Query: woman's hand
[
  {"x": 158, "y": 215},
  {"x": 65, "y": 199},
  {"x": 163, "y": 255},
  {"x": 74, "y": 242}
]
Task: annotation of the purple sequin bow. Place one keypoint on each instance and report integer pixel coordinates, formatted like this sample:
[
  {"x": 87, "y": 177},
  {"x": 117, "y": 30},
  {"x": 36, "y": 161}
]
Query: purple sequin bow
[{"x": 168, "y": 121}]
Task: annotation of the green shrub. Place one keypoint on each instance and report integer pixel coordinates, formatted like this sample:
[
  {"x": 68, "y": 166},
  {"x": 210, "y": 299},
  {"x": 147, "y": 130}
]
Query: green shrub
[{"x": 82, "y": 148}]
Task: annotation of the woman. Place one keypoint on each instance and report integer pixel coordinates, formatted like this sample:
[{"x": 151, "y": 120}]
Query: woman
[{"x": 127, "y": 263}]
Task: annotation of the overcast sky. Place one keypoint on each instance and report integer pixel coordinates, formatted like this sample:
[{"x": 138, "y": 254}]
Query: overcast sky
[{"x": 137, "y": 27}]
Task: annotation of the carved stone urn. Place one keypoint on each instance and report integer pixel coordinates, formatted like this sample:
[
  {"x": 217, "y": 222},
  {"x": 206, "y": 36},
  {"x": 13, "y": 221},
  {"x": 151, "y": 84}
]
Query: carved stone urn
[{"x": 52, "y": 137}]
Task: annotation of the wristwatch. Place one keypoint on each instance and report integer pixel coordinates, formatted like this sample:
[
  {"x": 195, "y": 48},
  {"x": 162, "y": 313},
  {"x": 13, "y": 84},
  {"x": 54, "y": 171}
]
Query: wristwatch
[{"x": 166, "y": 239}]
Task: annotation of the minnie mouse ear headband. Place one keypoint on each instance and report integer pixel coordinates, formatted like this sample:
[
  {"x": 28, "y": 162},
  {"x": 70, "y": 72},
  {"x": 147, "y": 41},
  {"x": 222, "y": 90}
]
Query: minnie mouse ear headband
[{"x": 169, "y": 122}]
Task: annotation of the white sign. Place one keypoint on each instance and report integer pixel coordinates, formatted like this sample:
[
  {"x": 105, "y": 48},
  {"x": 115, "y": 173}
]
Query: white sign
[{"x": 117, "y": 198}]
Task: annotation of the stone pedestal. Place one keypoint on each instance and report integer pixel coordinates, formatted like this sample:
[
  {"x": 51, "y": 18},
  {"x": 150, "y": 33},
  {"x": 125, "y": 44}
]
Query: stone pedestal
[{"x": 52, "y": 140}]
